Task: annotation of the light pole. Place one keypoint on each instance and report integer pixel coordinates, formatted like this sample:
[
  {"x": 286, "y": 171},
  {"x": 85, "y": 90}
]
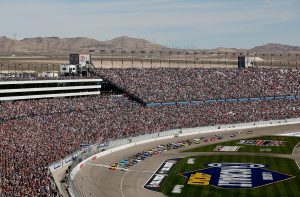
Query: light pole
[
  {"x": 280, "y": 57},
  {"x": 225, "y": 61},
  {"x": 151, "y": 53},
  {"x": 289, "y": 56},
  {"x": 170, "y": 52},
  {"x": 132, "y": 52},
  {"x": 123, "y": 52},
  {"x": 142, "y": 52},
  {"x": 234, "y": 58},
  {"x": 178, "y": 60},
  {"x": 203, "y": 60},
  {"x": 160, "y": 53},
  {"x": 195, "y": 55},
  {"x": 272, "y": 59},
  {"x": 112, "y": 57},
  {"x": 101, "y": 56},
  {"x": 297, "y": 55},
  {"x": 186, "y": 58}
]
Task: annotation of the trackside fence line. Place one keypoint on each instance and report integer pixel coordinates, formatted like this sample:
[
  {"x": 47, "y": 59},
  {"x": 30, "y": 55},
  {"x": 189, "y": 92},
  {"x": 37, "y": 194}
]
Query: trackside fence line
[{"x": 78, "y": 160}]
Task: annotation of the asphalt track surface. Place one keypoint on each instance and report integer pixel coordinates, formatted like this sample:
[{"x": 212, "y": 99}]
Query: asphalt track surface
[{"x": 96, "y": 180}]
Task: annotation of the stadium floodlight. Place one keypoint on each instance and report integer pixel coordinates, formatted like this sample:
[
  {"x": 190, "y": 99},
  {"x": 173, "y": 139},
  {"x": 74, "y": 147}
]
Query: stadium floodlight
[
  {"x": 123, "y": 52},
  {"x": 210, "y": 57},
  {"x": 203, "y": 57},
  {"x": 195, "y": 55},
  {"x": 289, "y": 55},
  {"x": 170, "y": 53},
  {"x": 280, "y": 59},
  {"x": 132, "y": 53},
  {"x": 101, "y": 54},
  {"x": 141, "y": 57},
  {"x": 160, "y": 54},
  {"x": 186, "y": 53},
  {"x": 151, "y": 53},
  {"x": 112, "y": 57},
  {"x": 178, "y": 58},
  {"x": 272, "y": 58}
]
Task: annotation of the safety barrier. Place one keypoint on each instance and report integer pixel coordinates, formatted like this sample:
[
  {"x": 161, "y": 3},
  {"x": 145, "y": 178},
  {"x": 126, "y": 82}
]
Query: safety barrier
[{"x": 79, "y": 159}]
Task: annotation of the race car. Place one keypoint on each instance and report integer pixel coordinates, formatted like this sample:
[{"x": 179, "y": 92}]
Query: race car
[
  {"x": 212, "y": 139},
  {"x": 196, "y": 141},
  {"x": 113, "y": 166},
  {"x": 232, "y": 135},
  {"x": 249, "y": 132}
]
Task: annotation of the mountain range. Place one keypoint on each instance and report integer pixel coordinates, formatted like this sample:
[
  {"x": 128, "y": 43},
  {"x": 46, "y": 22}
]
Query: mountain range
[{"x": 56, "y": 45}]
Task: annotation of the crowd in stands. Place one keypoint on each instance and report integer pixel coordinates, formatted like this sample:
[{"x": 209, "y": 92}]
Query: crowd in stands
[
  {"x": 35, "y": 133},
  {"x": 189, "y": 84}
]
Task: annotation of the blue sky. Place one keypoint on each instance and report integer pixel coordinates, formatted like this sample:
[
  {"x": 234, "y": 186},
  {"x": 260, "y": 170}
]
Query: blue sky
[{"x": 174, "y": 23}]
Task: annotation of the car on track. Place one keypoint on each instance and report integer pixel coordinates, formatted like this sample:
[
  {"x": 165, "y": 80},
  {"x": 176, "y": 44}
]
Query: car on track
[
  {"x": 232, "y": 135},
  {"x": 202, "y": 138},
  {"x": 239, "y": 131},
  {"x": 249, "y": 132},
  {"x": 113, "y": 166},
  {"x": 212, "y": 139}
]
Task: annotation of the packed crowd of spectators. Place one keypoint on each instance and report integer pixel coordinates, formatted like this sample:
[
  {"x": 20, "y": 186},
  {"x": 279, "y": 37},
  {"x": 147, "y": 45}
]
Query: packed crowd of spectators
[
  {"x": 188, "y": 84},
  {"x": 36, "y": 133}
]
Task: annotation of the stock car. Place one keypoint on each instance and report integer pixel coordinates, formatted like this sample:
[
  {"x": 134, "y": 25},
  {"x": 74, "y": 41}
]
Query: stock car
[
  {"x": 212, "y": 139},
  {"x": 219, "y": 136},
  {"x": 232, "y": 135},
  {"x": 113, "y": 166},
  {"x": 202, "y": 138},
  {"x": 134, "y": 159},
  {"x": 249, "y": 132},
  {"x": 196, "y": 141}
]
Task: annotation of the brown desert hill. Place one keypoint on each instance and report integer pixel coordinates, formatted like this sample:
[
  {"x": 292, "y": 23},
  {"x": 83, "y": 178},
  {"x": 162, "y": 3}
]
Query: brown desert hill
[
  {"x": 276, "y": 48},
  {"x": 63, "y": 46},
  {"x": 125, "y": 42},
  {"x": 77, "y": 44},
  {"x": 10, "y": 45}
]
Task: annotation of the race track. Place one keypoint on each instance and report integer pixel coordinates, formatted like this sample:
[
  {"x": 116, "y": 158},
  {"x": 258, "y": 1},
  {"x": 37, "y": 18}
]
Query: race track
[{"x": 96, "y": 180}]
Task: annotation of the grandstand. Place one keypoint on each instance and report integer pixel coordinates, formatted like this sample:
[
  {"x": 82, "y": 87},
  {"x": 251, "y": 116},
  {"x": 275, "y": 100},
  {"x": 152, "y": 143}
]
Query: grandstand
[{"x": 36, "y": 131}]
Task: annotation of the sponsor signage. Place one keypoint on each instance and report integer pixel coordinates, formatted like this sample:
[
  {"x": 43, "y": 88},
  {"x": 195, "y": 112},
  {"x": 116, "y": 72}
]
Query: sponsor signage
[
  {"x": 191, "y": 161},
  {"x": 263, "y": 142},
  {"x": 227, "y": 148},
  {"x": 177, "y": 189},
  {"x": 67, "y": 160},
  {"x": 295, "y": 134},
  {"x": 57, "y": 165},
  {"x": 235, "y": 175},
  {"x": 155, "y": 181}
]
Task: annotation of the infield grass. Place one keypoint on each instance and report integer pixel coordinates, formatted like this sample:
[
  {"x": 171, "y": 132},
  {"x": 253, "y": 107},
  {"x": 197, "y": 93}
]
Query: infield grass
[
  {"x": 291, "y": 142},
  {"x": 285, "y": 188}
]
